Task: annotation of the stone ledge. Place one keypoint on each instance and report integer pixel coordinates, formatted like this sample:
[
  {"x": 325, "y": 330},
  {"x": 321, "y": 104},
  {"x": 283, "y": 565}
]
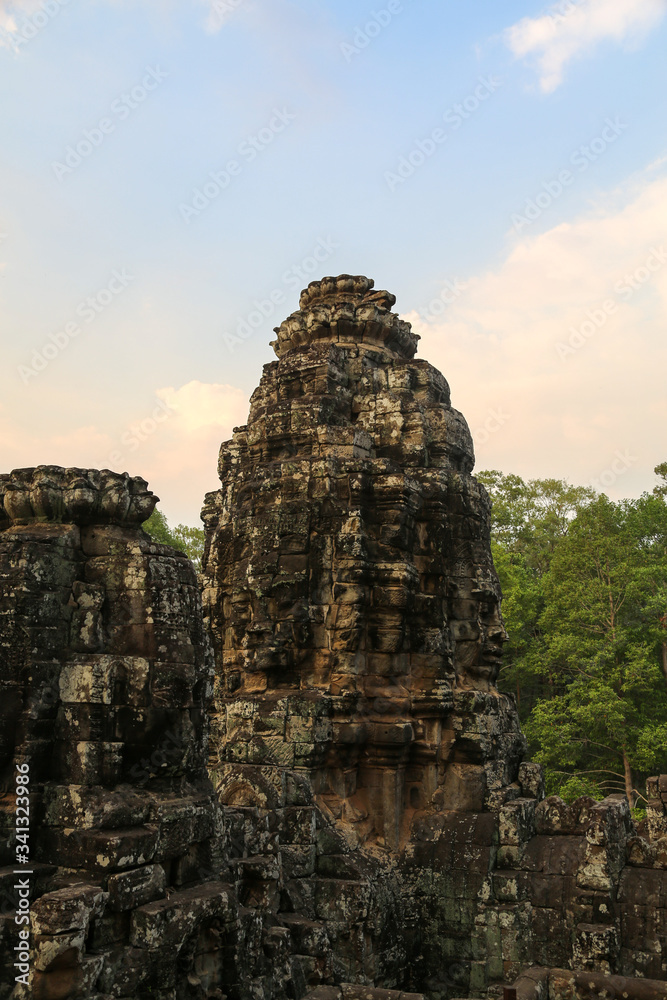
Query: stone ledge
[
  {"x": 538, "y": 983},
  {"x": 73, "y": 496},
  {"x": 351, "y": 991}
]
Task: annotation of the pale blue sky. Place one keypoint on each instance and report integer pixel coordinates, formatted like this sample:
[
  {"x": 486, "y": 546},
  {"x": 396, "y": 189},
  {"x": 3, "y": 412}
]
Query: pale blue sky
[{"x": 323, "y": 178}]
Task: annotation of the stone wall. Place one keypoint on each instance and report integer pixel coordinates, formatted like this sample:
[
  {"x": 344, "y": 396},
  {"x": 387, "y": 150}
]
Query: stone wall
[
  {"x": 328, "y": 912},
  {"x": 541, "y": 883},
  {"x": 106, "y": 673},
  {"x": 562, "y": 984}
]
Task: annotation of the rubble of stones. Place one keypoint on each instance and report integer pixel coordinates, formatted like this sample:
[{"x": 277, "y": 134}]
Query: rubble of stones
[{"x": 297, "y": 777}]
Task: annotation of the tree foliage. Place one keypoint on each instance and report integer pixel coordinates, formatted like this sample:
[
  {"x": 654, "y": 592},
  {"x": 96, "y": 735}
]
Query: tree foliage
[
  {"x": 184, "y": 538},
  {"x": 529, "y": 519},
  {"x": 585, "y": 605}
]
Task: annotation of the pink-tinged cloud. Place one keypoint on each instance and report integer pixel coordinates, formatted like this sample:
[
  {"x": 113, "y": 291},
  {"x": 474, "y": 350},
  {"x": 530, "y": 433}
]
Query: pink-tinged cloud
[
  {"x": 557, "y": 357},
  {"x": 173, "y": 443}
]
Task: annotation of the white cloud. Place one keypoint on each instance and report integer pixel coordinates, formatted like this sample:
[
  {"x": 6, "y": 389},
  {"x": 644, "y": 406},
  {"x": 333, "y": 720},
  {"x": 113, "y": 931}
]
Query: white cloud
[
  {"x": 13, "y": 14},
  {"x": 537, "y": 405},
  {"x": 173, "y": 443},
  {"x": 9, "y": 8},
  {"x": 572, "y": 29}
]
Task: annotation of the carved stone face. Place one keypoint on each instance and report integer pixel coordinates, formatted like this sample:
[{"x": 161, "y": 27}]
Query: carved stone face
[
  {"x": 349, "y": 578},
  {"x": 493, "y": 635},
  {"x": 478, "y": 654}
]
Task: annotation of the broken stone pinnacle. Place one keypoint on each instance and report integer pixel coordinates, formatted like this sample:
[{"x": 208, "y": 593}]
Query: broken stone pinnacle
[{"x": 346, "y": 310}]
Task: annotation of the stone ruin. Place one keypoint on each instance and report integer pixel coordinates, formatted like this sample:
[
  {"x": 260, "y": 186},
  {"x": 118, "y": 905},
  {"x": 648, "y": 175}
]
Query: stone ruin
[
  {"x": 304, "y": 781},
  {"x": 348, "y": 581}
]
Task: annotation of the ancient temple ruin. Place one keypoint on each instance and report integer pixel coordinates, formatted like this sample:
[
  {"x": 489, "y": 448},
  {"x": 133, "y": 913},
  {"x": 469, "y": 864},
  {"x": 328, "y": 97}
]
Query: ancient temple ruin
[
  {"x": 305, "y": 780},
  {"x": 348, "y": 581}
]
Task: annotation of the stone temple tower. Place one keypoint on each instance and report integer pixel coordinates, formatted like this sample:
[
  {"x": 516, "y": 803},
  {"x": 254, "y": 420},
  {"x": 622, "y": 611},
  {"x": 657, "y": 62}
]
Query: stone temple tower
[{"x": 348, "y": 578}]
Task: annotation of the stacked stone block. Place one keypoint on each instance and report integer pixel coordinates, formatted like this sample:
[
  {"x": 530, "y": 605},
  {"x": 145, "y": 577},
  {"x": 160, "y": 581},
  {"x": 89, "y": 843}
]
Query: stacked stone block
[
  {"x": 106, "y": 673},
  {"x": 541, "y": 983},
  {"x": 145, "y": 882},
  {"x": 330, "y": 913}
]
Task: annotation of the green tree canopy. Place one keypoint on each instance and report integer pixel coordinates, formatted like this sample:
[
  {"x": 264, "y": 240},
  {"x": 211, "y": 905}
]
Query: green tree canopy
[
  {"x": 528, "y": 520},
  {"x": 601, "y": 648},
  {"x": 530, "y": 517},
  {"x": 184, "y": 538},
  {"x": 584, "y": 585}
]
